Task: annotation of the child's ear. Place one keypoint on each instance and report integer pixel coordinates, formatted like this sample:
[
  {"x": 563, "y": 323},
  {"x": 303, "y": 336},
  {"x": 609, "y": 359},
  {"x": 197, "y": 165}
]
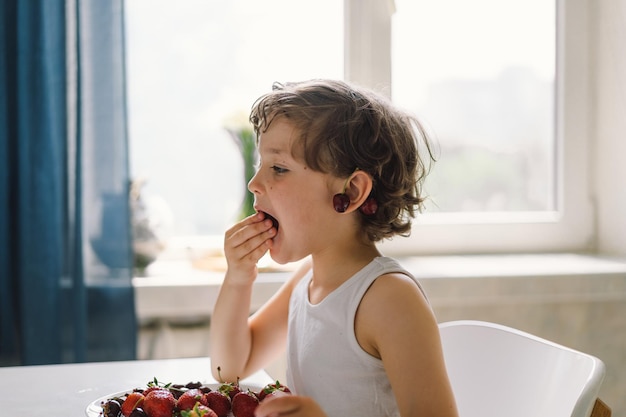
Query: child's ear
[{"x": 358, "y": 188}]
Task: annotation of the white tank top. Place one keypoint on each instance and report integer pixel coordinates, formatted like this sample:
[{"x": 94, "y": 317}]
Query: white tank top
[{"x": 324, "y": 359}]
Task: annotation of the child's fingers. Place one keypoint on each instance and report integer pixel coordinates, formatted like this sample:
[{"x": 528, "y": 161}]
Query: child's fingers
[
  {"x": 288, "y": 405},
  {"x": 248, "y": 240},
  {"x": 248, "y": 227},
  {"x": 273, "y": 407},
  {"x": 249, "y": 235},
  {"x": 255, "y": 247},
  {"x": 252, "y": 219}
]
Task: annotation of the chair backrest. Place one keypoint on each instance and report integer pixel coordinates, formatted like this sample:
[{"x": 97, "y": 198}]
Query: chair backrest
[{"x": 498, "y": 371}]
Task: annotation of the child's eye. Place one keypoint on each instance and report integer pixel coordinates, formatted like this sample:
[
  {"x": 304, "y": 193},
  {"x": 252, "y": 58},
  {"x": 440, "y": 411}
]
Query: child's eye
[{"x": 279, "y": 170}]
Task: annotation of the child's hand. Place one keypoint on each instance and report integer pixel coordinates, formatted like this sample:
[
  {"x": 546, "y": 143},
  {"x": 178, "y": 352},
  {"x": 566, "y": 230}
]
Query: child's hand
[
  {"x": 245, "y": 243},
  {"x": 282, "y": 404}
]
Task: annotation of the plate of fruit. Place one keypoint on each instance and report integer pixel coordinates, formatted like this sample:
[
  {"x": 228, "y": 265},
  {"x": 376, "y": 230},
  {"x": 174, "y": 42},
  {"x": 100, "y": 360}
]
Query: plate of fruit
[{"x": 193, "y": 399}]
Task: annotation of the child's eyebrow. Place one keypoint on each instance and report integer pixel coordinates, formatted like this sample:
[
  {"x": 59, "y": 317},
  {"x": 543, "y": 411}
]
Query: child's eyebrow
[{"x": 275, "y": 151}]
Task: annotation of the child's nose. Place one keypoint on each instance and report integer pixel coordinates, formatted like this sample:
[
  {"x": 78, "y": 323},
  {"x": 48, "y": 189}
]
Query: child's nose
[{"x": 254, "y": 184}]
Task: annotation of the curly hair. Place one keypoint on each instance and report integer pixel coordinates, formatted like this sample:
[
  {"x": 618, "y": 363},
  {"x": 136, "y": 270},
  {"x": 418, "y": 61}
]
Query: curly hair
[{"x": 344, "y": 128}]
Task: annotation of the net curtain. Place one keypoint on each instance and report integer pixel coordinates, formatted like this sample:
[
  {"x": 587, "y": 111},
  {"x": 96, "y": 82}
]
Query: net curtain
[{"x": 65, "y": 243}]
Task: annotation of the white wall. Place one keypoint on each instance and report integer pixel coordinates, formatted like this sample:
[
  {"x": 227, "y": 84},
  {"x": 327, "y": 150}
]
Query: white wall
[{"x": 608, "y": 69}]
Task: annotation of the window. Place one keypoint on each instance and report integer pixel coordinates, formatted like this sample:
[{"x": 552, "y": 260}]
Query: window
[
  {"x": 485, "y": 85},
  {"x": 194, "y": 67},
  {"x": 464, "y": 67}
]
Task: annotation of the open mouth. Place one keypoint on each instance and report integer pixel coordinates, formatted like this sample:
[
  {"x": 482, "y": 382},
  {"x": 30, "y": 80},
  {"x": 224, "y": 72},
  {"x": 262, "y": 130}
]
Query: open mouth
[{"x": 274, "y": 221}]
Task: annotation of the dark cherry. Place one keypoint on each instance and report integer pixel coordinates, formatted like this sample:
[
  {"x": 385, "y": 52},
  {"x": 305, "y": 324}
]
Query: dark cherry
[
  {"x": 341, "y": 202},
  {"x": 274, "y": 221},
  {"x": 111, "y": 408},
  {"x": 369, "y": 207},
  {"x": 138, "y": 412}
]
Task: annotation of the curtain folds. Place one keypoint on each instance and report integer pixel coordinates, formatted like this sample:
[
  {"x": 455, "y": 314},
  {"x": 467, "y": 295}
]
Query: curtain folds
[{"x": 65, "y": 242}]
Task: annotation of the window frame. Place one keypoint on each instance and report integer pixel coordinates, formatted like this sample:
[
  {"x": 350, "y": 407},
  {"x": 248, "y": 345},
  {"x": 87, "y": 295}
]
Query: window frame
[{"x": 571, "y": 226}]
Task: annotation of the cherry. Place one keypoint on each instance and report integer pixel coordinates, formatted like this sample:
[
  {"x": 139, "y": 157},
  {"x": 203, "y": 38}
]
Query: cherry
[
  {"x": 111, "y": 408},
  {"x": 274, "y": 221},
  {"x": 369, "y": 207},
  {"x": 341, "y": 202},
  {"x": 138, "y": 412}
]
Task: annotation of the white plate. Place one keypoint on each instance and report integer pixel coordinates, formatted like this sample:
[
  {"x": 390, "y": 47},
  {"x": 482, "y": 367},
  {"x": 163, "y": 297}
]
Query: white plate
[{"x": 94, "y": 409}]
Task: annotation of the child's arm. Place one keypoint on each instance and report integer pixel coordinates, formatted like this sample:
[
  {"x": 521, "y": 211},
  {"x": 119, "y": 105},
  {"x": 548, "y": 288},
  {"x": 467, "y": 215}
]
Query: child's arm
[
  {"x": 241, "y": 345},
  {"x": 231, "y": 340},
  {"x": 395, "y": 322}
]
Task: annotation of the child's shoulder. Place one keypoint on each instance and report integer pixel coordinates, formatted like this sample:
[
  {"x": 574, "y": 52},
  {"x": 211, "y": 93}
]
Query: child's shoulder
[
  {"x": 394, "y": 306},
  {"x": 397, "y": 281},
  {"x": 394, "y": 285}
]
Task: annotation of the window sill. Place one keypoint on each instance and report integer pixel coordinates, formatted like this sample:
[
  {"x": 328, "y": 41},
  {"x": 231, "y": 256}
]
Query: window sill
[
  {"x": 177, "y": 292},
  {"x": 532, "y": 278}
]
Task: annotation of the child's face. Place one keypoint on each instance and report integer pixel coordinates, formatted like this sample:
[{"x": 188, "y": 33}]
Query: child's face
[{"x": 299, "y": 198}]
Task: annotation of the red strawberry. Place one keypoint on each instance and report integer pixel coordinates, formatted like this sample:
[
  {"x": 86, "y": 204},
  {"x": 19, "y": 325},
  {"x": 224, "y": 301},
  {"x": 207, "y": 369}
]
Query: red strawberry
[
  {"x": 132, "y": 401},
  {"x": 244, "y": 404},
  {"x": 150, "y": 389},
  {"x": 198, "y": 410},
  {"x": 230, "y": 388},
  {"x": 155, "y": 385},
  {"x": 159, "y": 403},
  {"x": 269, "y": 388},
  {"x": 277, "y": 393},
  {"x": 218, "y": 402},
  {"x": 190, "y": 398}
]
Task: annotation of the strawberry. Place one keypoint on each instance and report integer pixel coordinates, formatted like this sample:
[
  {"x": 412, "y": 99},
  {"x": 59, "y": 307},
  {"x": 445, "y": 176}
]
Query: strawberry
[
  {"x": 132, "y": 401},
  {"x": 159, "y": 403},
  {"x": 150, "y": 389},
  {"x": 155, "y": 384},
  {"x": 198, "y": 410},
  {"x": 269, "y": 388},
  {"x": 229, "y": 388},
  {"x": 218, "y": 402},
  {"x": 190, "y": 398},
  {"x": 244, "y": 404},
  {"x": 276, "y": 393}
]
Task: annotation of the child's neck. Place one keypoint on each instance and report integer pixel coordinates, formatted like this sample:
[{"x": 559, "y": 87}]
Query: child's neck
[{"x": 334, "y": 267}]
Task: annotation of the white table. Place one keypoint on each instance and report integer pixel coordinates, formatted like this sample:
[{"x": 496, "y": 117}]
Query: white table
[{"x": 66, "y": 390}]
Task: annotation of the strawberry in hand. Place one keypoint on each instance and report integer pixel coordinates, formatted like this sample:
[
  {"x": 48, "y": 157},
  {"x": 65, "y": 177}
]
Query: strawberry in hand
[
  {"x": 270, "y": 388},
  {"x": 199, "y": 410}
]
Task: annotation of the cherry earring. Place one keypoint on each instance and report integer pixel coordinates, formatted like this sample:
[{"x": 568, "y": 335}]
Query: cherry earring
[
  {"x": 369, "y": 207},
  {"x": 341, "y": 202}
]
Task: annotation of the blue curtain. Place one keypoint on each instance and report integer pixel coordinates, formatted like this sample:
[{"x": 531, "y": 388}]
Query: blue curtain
[{"x": 65, "y": 239}]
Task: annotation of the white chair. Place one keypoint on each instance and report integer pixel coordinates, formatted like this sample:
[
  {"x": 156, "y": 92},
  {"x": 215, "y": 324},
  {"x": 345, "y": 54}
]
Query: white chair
[{"x": 498, "y": 371}]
